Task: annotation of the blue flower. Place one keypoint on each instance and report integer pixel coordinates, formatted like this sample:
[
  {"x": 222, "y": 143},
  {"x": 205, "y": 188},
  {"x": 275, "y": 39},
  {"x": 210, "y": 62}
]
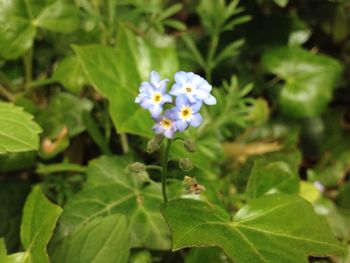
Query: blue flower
[
  {"x": 193, "y": 86},
  {"x": 186, "y": 113},
  {"x": 152, "y": 94},
  {"x": 165, "y": 125}
]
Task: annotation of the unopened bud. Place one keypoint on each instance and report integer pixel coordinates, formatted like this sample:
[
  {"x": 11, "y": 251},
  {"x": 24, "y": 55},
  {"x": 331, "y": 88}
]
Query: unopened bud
[
  {"x": 185, "y": 164},
  {"x": 189, "y": 145},
  {"x": 136, "y": 167},
  {"x": 191, "y": 186},
  {"x": 154, "y": 143}
]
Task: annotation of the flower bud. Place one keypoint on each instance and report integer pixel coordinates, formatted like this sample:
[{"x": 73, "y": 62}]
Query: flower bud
[
  {"x": 185, "y": 164},
  {"x": 137, "y": 169},
  {"x": 154, "y": 143},
  {"x": 191, "y": 186},
  {"x": 189, "y": 145}
]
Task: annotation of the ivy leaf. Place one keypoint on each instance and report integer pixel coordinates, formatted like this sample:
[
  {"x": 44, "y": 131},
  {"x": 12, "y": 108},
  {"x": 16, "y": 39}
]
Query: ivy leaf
[
  {"x": 273, "y": 228},
  {"x": 309, "y": 80},
  {"x": 101, "y": 240},
  {"x": 271, "y": 177},
  {"x": 118, "y": 72},
  {"x": 109, "y": 190},
  {"x": 19, "y": 21},
  {"x": 18, "y": 131},
  {"x": 38, "y": 222}
]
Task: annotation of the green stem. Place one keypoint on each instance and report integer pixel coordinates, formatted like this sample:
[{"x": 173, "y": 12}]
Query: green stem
[
  {"x": 124, "y": 142},
  {"x": 214, "y": 42},
  {"x": 165, "y": 169},
  {"x": 28, "y": 67},
  {"x": 7, "y": 94}
]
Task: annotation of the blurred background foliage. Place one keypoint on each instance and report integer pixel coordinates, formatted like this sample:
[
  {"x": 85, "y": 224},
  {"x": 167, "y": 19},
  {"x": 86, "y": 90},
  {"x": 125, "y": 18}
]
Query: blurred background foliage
[{"x": 280, "y": 71}]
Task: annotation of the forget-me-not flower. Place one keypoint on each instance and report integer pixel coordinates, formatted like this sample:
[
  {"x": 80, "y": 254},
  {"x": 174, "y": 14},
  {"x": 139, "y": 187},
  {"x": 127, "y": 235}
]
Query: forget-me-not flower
[
  {"x": 165, "y": 125},
  {"x": 186, "y": 113},
  {"x": 153, "y": 95},
  {"x": 193, "y": 86},
  {"x": 155, "y": 81}
]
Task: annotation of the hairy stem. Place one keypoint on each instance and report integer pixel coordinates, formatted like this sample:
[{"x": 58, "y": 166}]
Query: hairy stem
[
  {"x": 165, "y": 169},
  {"x": 124, "y": 142}
]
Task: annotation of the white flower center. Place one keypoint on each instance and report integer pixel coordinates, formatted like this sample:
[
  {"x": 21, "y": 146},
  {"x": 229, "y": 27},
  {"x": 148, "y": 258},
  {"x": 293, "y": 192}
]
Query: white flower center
[
  {"x": 166, "y": 123},
  {"x": 185, "y": 113},
  {"x": 157, "y": 98}
]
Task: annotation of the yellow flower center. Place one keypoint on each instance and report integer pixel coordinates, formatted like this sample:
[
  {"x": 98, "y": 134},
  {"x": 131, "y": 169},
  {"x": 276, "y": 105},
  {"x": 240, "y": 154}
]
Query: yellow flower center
[
  {"x": 157, "y": 98},
  {"x": 188, "y": 89},
  {"x": 185, "y": 112},
  {"x": 166, "y": 123}
]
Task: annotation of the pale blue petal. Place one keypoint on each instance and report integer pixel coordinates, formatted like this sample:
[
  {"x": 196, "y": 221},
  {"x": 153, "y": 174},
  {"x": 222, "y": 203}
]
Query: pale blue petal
[
  {"x": 176, "y": 90},
  {"x": 146, "y": 103},
  {"x": 191, "y": 98},
  {"x": 167, "y": 99},
  {"x": 201, "y": 93},
  {"x": 157, "y": 128},
  {"x": 181, "y": 77},
  {"x": 206, "y": 86},
  {"x": 181, "y": 125},
  {"x": 196, "y": 106},
  {"x": 154, "y": 77},
  {"x": 169, "y": 133},
  {"x": 150, "y": 90},
  {"x": 171, "y": 114},
  {"x": 155, "y": 110},
  {"x": 196, "y": 120},
  {"x": 181, "y": 101},
  {"x": 210, "y": 100}
]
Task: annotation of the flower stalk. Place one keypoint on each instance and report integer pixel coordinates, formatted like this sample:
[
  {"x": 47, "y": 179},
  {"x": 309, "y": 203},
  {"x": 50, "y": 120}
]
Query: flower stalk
[{"x": 165, "y": 169}]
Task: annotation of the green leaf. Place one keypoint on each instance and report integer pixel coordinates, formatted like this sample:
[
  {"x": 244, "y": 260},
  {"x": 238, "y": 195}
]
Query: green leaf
[
  {"x": 274, "y": 229},
  {"x": 109, "y": 190},
  {"x": 18, "y": 131},
  {"x": 101, "y": 240},
  {"x": 281, "y": 3},
  {"x": 60, "y": 16},
  {"x": 309, "y": 79},
  {"x": 207, "y": 255},
  {"x": 13, "y": 194},
  {"x": 64, "y": 110},
  {"x": 117, "y": 74},
  {"x": 70, "y": 73},
  {"x": 19, "y": 21},
  {"x": 271, "y": 177},
  {"x": 38, "y": 222}
]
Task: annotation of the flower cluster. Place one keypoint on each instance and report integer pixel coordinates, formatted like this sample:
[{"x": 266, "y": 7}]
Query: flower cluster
[{"x": 190, "y": 90}]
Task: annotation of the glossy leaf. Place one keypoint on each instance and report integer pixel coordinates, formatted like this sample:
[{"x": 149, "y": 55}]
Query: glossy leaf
[
  {"x": 101, "y": 240},
  {"x": 109, "y": 190},
  {"x": 264, "y": 230},
  {"x": 309, "y": 79},
  {"x": 18, "y": 131},
  {"x": 118, "y": 72},
  {"x": 270, "y": 178}
]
